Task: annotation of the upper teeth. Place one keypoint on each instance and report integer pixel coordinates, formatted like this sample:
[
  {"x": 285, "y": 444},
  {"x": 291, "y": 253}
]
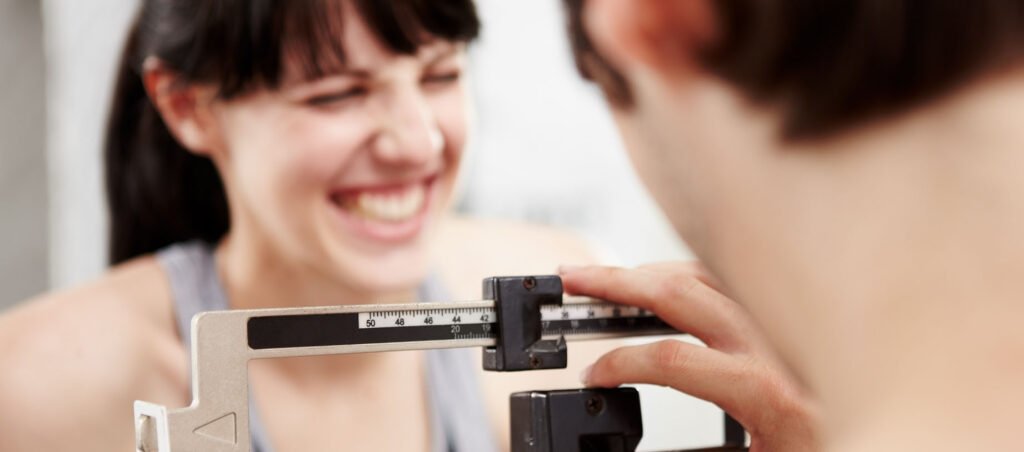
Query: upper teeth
[{"x": 391, "y": 206}]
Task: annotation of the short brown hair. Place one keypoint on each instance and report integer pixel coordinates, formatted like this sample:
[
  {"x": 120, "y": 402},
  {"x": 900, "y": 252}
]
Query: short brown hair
[{"x": 829, "y": 65}]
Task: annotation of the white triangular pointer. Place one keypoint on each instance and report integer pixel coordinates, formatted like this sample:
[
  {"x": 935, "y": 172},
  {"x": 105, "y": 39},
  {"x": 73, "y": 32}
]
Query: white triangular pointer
[{"x": 221, "y": 429}]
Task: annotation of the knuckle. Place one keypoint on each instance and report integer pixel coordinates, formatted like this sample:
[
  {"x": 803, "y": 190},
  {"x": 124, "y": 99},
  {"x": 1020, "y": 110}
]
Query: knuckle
[
  {"x": 756, "y": 375},
  {"x": 607, "y": 275},
  {"x": 679, "y": 288},
  {"x": 777, "y": 398},
  {"x": 616, "y": 273},
  {"x": 782, "y": 399},
  {"x": 671, "y": 356},
  {"x": 607, "y": 270}
]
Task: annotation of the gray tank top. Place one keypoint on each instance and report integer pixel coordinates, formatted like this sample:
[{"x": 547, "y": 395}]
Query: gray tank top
[{"x": 458, "y": 421}]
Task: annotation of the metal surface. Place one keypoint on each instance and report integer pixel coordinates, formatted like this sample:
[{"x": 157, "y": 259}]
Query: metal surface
[
  {"x": 223, "y": 342},
  {"x": 576, "y": 420},
  {"x": 590, "y": 420},
  {"x": 518, "y": 302}
]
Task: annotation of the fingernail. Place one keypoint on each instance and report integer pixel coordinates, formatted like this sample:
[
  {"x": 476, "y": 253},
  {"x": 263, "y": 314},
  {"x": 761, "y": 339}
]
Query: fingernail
[
  {"x": 585, "y": 375},
  {"x": 565, "y": 269}
]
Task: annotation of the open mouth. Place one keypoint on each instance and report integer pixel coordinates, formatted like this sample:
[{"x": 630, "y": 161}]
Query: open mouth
[{"x": 389, "y": 213}]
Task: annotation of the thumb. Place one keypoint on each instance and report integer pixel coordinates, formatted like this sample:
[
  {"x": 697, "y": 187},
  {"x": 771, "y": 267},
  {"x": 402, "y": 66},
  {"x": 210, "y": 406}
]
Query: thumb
[{"x": 699, "y": 371}]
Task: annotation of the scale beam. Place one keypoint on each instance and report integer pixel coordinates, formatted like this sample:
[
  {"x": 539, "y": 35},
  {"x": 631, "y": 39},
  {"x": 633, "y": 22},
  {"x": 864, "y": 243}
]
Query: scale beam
[{"x": 223, "y": 342}]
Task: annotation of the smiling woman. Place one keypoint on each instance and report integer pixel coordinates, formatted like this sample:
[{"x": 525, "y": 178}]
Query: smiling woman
[
  {"x": 384, "y": 78},
  {"x": 272, "y": 154}
]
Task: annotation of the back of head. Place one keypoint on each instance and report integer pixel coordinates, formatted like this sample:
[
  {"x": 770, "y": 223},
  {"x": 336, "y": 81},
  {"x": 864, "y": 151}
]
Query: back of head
[{"x": 829, "y": 65}]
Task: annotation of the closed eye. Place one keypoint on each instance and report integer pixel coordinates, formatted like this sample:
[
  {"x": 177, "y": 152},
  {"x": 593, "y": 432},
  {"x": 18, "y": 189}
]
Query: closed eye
[
  {"x": 442, "y": 79},
  {"x": 336, "y": 97}
]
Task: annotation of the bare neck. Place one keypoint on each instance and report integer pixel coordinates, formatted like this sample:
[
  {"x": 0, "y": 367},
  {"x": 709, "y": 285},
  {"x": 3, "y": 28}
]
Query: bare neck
[
  {"x": 910, "y": 306},
  {"x": 255, "y": 278}
]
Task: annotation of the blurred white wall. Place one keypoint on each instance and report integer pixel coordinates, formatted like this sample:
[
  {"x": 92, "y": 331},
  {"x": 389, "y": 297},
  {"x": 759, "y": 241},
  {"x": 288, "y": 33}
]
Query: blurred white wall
[
  {"x": 83, "y": 42},
  {"x": 546, "y": 149}
]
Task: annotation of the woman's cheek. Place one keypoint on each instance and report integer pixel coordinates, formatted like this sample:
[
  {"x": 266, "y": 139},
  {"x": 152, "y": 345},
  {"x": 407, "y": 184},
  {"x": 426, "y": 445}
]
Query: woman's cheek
[
  {"x": 324, "y": 146},
  {"x": 451, "y": 114},
  {"x": 275, "y": 174},
  {"x": 260, "y": 144}
]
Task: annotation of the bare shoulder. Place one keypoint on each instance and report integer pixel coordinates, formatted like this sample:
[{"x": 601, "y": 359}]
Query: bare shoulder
[
  {"x": 73, "y": 361},
  {"x": 472, "y": 249}
]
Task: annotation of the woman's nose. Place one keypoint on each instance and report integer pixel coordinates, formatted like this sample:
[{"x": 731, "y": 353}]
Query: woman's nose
[{"x": 410, "y": 133}]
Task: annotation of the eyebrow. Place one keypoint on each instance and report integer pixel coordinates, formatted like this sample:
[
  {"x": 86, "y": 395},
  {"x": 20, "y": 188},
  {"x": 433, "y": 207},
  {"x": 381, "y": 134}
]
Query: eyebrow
[{"x": 366, "y": 73}]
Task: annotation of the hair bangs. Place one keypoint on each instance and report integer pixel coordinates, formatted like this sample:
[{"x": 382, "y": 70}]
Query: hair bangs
[
  {"x": 158, "y": 192},
  {"x": 313, "y": 30}
]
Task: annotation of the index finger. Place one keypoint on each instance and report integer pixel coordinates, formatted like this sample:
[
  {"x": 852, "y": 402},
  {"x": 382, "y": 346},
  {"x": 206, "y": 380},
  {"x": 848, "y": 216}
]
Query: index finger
[{"x": 681, "y": 300}]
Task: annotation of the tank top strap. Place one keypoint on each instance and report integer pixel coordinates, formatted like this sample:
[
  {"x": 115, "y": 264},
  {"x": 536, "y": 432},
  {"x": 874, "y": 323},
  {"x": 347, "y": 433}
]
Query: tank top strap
[
  {"x": 195, "y": 286},
  {"x": 191, "y": 270},
  {"x": 455, "y": 390}
]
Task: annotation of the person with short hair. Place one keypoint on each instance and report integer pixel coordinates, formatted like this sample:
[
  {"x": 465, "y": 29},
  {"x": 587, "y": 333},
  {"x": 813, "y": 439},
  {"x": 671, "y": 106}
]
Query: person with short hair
[{"x": 850, "y": 172}]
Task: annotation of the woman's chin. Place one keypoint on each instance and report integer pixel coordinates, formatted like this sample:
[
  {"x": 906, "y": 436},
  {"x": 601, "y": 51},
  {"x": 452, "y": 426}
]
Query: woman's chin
[{"x": 384, "y": 279}]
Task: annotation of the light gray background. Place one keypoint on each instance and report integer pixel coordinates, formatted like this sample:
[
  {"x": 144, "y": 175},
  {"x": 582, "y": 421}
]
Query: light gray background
[{"x": 23, "y": 187}]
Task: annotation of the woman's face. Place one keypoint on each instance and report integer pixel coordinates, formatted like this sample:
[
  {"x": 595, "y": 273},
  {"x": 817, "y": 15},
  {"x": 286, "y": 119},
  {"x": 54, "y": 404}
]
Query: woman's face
[{"x": 344, "y": 176}]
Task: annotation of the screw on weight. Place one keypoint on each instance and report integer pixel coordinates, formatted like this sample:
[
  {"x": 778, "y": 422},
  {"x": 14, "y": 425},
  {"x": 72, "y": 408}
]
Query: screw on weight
[
  {"x": 530, "y": 283},
  {"x": 595, "y": 405}
]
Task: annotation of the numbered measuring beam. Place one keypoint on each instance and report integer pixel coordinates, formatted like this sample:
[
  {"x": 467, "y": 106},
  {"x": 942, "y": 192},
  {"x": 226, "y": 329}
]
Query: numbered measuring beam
[
  {"x": 455, "y": 323},
  {"x": 223, "y": 342}
]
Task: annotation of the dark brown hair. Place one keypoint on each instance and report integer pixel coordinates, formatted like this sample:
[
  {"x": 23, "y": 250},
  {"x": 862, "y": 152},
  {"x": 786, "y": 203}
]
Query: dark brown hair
[
  {"x": 158, "y": 193},
  {"x": 828, "y": 65}
]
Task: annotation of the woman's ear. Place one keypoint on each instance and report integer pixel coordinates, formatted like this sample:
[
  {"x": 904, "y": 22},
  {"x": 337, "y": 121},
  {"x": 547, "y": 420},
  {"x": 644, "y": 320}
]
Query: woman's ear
[
  {"x": 664, "y": 35},
  {"x": 185, "y": 109}
]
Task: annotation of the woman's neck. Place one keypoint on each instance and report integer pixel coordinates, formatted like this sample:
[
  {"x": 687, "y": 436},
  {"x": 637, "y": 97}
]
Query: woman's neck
[{"x": 255, "y": 276}]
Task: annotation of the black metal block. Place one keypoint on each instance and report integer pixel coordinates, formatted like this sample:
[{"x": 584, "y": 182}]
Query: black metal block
[
  {"x": 517, "y": 302},
  {"x": 577, "y": 420}
]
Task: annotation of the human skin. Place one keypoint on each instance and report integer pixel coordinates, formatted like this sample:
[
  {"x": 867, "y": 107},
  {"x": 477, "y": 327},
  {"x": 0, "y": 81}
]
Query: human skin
[
  {"x": 318, "y": 172},
  {"x": 735, "y": 370},
  {"x": 877, "y": 260},
  {"x": 295, "y": 162},
  {"x": 283, "y": 160},
  {"x": 94, "y": 349},
  {"x": 291, "y": 160}
]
